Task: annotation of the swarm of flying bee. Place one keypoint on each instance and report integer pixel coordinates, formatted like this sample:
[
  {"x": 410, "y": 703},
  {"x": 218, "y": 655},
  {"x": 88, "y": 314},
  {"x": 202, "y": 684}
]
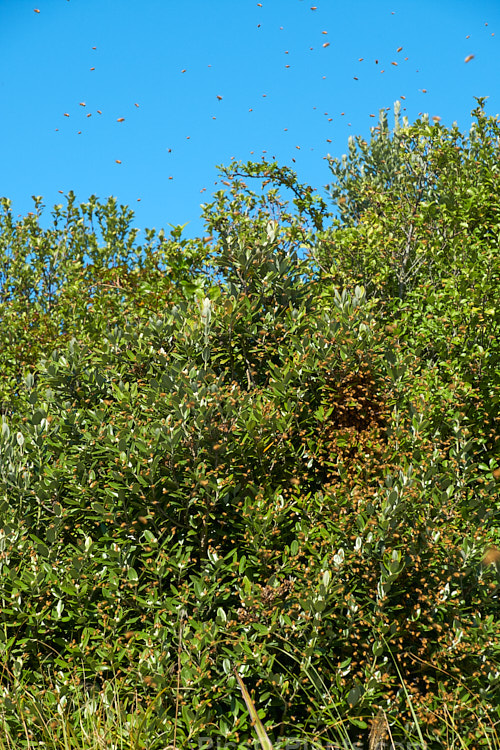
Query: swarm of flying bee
[{"x": 329, "y": 60}]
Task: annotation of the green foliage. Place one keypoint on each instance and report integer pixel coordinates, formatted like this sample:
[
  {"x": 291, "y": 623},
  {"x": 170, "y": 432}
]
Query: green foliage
[
  {"x": 80, "y": 276},
  {"x": 415, "y": 205},
  {"x": 223, "y": 456},
  {"x": 373, "y": 168}
]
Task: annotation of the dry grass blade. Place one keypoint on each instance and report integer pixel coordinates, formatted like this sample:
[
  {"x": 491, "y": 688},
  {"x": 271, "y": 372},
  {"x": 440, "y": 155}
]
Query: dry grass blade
[
  {"x": 259, "y": 727},
  {"x": 408, "y": 698},
  {"x": 178, "y": 691},
  {"x": 378, "y": 732}
]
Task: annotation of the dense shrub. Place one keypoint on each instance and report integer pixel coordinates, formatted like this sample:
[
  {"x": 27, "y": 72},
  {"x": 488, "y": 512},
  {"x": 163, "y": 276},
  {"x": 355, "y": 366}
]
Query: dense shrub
[{"x": 223, "y": 455}]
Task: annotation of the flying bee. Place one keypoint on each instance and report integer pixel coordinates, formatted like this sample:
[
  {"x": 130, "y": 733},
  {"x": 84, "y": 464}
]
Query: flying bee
[{"x": 491, "y": 557}]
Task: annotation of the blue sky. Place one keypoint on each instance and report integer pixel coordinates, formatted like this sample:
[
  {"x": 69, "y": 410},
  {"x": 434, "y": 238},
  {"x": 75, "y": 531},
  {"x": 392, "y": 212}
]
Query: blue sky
[{"x": 239, "y": 50}]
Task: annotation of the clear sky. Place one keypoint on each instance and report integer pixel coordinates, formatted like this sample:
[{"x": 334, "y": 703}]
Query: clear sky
[{"x": 199, "y": 82}]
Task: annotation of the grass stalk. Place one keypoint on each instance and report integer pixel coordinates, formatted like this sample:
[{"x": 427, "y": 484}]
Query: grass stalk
[
  {"x": 178, "y": 689},
  {"x": 408, "y": 698},
  {"x": 256, "y": 722}
]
